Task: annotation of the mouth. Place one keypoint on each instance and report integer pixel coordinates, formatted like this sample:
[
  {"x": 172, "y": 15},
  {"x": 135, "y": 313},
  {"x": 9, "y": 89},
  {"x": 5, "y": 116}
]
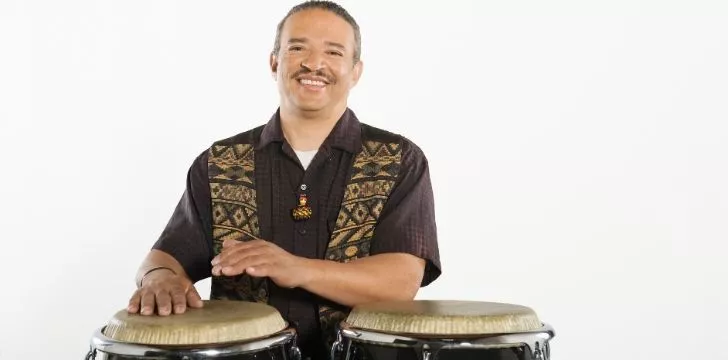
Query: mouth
[{"x": 313, "y": 83}]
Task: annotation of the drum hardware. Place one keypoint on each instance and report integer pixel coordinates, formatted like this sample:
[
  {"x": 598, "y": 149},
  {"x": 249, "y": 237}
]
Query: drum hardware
[
  {"x": 101, "y": 343},
  {"x": 221, "y": 329},
  {"x": 424, "y": 329},
  {"x": 536, "y": 341}
]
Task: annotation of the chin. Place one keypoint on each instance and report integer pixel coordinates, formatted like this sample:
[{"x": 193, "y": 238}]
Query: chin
[{"x": 310, "y": 105}]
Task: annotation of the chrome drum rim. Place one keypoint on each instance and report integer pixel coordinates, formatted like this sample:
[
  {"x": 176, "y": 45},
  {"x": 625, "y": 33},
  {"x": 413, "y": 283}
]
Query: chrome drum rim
[{"x": 100, "y": 342}]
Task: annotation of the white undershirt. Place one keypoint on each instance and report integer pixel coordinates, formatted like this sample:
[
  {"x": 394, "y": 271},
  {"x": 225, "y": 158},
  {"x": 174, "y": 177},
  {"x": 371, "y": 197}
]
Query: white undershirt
[{"x": 305, "y": 157}]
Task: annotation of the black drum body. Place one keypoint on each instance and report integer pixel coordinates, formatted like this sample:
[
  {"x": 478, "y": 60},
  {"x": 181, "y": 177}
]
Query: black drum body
[{"x": 358, "y": 344}]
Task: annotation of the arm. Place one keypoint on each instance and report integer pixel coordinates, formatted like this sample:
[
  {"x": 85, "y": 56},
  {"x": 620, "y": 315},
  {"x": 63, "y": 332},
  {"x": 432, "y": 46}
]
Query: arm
[
  {"x": 407, "y": 222},
  {"x": 390, "y": 276},
  {"x": 404, "y": 253},
  {"x": 180, "y": 257},
  {"x": 158, "y": 259},
  {"x": 393, "y": 276}
]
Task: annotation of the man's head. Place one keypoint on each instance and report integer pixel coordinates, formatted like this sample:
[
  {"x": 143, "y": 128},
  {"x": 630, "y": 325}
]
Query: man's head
[{"x": 316, "y": 57}]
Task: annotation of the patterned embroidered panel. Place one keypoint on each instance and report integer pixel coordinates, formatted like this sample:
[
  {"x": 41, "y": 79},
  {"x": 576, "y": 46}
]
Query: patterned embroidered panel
[
  {"x": 374, "y": 174},
  {"x": 231, "y": 171},
  {"x": 232, "y": 162},
  {"x": 375, "y": 171}
]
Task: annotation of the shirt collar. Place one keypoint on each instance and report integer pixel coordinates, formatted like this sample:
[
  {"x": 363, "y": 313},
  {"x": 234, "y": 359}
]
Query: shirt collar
[{"x": 346, "y": 134}]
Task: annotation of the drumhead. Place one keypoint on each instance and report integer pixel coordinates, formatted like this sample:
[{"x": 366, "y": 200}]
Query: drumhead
[
  {"x": 218, "y": 321},
  {"x": 443, "y": 318}
]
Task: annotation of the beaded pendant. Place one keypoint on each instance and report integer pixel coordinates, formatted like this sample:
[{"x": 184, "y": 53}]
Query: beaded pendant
[{"x": 302, "y": 211}]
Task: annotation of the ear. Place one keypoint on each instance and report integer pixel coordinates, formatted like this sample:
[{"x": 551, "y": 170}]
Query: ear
[
  {"x": 274, "y": 66},
  {"x": 356, "y": 73}
]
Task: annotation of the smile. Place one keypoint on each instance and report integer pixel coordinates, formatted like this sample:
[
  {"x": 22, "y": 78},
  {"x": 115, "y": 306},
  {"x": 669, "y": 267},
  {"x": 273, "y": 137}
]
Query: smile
[{"x": 308, "y": 82}]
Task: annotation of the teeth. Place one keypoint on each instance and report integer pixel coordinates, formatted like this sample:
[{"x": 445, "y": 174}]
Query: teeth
[{"x": 312, "y": 82}]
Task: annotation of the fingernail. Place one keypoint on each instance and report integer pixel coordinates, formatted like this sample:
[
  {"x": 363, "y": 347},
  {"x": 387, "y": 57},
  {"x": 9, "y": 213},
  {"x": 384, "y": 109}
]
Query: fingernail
[{"x": 215, "y": 261}]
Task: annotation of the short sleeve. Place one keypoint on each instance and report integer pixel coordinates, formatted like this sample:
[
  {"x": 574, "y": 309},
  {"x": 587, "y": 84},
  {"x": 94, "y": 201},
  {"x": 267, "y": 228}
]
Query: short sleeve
[
  {"x": 188, "y": 235},
  {"x": 407, "y": 222}
]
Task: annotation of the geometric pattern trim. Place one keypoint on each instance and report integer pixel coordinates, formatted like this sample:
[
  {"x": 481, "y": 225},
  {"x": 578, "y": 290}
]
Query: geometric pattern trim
[
  {"x": 231, "y": 170},
  {"x": 374, "y": 173}
]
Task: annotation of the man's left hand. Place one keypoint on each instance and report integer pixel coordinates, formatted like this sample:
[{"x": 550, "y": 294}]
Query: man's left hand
[{"x": 260, "y": 258}]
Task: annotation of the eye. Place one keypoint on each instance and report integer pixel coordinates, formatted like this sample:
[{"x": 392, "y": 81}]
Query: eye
[
  {"x": 295, "y": 48},
  {"x": 335, "y": 53}
]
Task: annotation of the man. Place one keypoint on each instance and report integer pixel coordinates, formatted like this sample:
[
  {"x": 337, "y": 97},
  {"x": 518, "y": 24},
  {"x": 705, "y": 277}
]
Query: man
[{"x": 314, "y": 212}]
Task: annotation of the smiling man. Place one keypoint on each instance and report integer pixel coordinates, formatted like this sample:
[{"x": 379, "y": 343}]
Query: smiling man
[{"x": 313, "y": 212}]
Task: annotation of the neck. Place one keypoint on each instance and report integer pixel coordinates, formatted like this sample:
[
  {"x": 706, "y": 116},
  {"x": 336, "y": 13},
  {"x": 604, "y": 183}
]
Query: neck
[{"x": 306, "y": 130}]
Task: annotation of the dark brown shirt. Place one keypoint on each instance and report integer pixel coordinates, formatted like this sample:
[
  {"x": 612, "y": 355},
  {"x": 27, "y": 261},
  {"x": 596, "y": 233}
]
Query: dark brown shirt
[{"x": 406, "y": 224}]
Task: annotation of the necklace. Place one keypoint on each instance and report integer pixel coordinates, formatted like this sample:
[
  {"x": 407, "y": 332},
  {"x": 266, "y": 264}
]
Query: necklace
[{"x": 302, "y": 211}]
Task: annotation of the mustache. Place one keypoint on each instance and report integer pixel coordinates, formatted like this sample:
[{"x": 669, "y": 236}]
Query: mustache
[{"x": 318, "y": 73}]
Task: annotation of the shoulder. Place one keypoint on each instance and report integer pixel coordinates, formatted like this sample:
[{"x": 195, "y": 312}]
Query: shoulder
[
  {"x": 237, "y": 146},
  {"x": 247, "y": 137},
  {"x": 200, "y": 163},
  {"x": 410, "y": 151}
]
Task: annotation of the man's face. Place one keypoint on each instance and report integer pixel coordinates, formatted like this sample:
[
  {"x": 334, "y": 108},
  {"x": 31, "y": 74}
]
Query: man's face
[{"x": 315, "y": 65}]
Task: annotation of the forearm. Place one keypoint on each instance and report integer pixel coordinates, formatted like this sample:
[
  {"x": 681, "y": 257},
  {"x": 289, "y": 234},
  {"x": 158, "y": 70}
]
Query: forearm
[
  {"x": 157, "y": 258},
  {"x": 374, "y": 278}
]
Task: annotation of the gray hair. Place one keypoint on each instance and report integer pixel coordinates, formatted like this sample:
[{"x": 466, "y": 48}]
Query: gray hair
[{"x": 322, "y": 5}]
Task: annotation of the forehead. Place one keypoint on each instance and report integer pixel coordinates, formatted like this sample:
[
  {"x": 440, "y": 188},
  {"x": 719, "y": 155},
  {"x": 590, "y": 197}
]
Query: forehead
[{"x": 318, "y": 25}]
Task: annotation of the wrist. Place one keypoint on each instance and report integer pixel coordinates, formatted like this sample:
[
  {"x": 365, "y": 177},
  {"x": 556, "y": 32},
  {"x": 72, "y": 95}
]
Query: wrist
[
  {"x": 155, "y": 271},
  {"x": 310, "y": 271}
]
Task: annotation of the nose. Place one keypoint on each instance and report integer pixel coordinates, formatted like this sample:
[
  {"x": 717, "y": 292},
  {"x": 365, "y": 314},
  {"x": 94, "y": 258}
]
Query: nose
[{"x": 313, "y": 61}]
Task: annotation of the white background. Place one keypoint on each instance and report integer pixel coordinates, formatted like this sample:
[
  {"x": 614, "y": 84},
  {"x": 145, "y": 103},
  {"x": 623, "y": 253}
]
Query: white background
[{"x": 577, "y": 150}]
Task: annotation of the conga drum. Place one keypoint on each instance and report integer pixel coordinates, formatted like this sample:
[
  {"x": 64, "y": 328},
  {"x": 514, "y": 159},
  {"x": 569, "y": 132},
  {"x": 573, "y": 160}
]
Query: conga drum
[
  {"x": 221, "y": 329},
  {"x": 442, "y": 330}
]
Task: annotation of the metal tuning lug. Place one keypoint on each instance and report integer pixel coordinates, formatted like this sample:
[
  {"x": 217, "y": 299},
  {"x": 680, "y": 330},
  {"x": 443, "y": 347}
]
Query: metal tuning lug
[{"x": 337, "y": 346}]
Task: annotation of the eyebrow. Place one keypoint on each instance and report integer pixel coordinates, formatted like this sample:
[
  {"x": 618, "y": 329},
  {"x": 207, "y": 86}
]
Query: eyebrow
[{"x": 304, "y": 40}]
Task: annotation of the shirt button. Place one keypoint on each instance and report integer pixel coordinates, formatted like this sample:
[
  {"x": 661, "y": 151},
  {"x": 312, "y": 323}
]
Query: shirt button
[{"x": 304, "y": 187}]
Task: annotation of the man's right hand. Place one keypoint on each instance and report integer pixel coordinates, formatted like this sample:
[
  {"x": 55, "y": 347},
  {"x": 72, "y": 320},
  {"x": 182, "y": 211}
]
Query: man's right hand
[{"x": 164, "y": 291}]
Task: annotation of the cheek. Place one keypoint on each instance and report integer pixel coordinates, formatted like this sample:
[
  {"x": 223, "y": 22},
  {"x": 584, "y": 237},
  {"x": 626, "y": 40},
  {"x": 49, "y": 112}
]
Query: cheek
[
  {"x": 345, "y": 78},
  {"x": 286, "y": 66}
]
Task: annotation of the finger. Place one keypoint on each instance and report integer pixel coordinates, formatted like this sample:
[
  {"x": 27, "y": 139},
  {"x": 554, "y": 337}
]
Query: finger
[
  {"x": 244, "y": 263},
  {"x": 134, "y": 302},
  {"x": 164, "y": 302},
  {"x": 179, "y": 301},
  {"x": 239, "y": 266},
  {"x": 230, "y": 242},
  {"x": 260, "y": 270},
  {"x": 234, "y": 266},
  {"x": 147, "y": 302},
  {"x": 193, "y": 297},
  {"x": 233, "y": 251},
  {"x": 240, "y": 255},
  {"x": 229, "y": 247},
  {"x": 227, "y": 270}
]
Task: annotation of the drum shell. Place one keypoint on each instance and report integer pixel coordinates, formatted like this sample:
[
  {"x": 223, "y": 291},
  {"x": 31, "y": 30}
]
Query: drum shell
[
  {"x": 280, "y": 346},
  {"x": 358, "y": 350},
  {"x": 357, "y": 344}
]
